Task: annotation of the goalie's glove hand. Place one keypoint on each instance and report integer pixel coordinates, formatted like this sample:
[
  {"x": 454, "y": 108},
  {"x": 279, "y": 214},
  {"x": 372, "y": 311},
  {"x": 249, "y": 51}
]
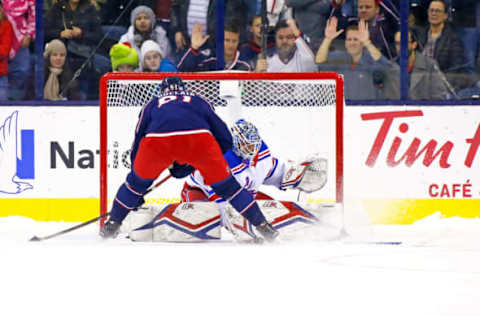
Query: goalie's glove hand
[
  {"x": 294, "y": 173},
  {"x": 180, "y": 171},
  {"x": 309, "y": 175}
]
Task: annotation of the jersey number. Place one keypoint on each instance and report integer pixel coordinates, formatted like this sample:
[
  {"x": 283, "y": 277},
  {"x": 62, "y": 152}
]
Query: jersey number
[{"x": 170, "y": 98}]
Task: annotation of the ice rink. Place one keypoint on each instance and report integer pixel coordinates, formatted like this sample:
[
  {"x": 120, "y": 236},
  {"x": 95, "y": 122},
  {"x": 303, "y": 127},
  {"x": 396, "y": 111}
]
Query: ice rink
[{"x": 435, "y": 271}]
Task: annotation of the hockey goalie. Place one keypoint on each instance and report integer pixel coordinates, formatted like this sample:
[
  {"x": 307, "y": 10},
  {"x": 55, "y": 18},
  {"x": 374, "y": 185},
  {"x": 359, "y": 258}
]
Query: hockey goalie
[{"x": 202, "y": 213}]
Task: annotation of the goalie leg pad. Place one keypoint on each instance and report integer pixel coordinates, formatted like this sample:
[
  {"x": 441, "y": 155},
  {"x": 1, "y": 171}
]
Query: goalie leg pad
[
  {"x": 230, "y": 190},
  {"x": 179, "y": 222},
  {"x": 129, "y": 196},
  {"x": 138, "y": 220}
]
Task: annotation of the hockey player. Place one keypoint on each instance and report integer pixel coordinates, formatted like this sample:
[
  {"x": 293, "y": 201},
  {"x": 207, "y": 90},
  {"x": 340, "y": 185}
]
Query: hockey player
[
  {"x": 181, "y": 130},
  {"x": 251, "y": 164}
]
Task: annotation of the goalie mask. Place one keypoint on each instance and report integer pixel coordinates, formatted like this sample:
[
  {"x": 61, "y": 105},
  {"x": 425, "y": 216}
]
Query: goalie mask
[
  {"x": 172, "y": 85},
  {"x": 246, "y": 141}
]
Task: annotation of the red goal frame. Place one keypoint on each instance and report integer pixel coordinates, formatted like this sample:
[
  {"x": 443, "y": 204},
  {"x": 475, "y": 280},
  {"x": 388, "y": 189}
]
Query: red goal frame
[{"x": 219, "y": 76}]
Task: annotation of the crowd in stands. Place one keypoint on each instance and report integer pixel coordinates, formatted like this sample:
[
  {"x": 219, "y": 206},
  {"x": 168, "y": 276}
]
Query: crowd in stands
[{"x": 360, "y": 39}]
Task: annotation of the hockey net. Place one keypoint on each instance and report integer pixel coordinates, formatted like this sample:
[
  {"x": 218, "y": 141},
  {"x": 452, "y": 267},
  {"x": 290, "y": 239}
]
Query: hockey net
[{"x": 297, "y": 114}]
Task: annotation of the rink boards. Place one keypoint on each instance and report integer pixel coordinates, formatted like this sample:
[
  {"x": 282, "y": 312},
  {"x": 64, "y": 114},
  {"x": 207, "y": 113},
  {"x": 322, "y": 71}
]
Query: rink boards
[{"x": 401, "y": 164}]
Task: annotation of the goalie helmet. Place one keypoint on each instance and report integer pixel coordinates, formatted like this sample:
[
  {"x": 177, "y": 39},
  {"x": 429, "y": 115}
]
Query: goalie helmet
[
  {"x": 172, "y": 85},
  {"x": 246, "y": 141}
]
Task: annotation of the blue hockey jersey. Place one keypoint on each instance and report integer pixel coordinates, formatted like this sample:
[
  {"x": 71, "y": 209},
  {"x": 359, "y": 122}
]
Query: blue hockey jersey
[{"x": 180, "y": 112}]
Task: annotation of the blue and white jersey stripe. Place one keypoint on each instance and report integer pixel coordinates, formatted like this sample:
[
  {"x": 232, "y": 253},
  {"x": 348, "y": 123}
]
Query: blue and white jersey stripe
[{"x": 274, "y": 167}]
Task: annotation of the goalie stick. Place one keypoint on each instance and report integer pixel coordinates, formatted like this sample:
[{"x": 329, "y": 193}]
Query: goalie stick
[{"x": 93, "y": 220}]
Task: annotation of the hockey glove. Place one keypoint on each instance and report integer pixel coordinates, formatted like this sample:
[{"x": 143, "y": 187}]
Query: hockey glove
[
  {"x": 180, "y": 171},
  {"x": 308, "y": 176}
]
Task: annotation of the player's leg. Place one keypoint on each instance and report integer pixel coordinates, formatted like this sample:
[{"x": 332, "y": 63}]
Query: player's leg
[
  {"x": 217, "y": 174},
  {"x": 146, "y": 167},
  {"x": 129, "y": 196}
]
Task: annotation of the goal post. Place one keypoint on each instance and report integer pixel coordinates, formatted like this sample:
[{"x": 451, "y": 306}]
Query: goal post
[{"x": 297, "y": 114}]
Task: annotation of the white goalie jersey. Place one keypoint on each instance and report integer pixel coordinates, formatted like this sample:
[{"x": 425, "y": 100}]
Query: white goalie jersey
[{"x": 263, "y": 169}]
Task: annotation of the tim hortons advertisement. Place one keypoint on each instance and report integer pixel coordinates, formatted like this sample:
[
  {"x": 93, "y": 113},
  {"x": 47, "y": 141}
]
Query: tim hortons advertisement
[{"x": 405, "y": 164}]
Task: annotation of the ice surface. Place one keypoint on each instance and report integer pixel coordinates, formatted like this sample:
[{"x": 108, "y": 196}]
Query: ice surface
[{"x": 436, "y": 271}]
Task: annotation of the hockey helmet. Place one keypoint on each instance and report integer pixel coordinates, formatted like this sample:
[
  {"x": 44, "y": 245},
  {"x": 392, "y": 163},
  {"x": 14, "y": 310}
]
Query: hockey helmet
[
  {"x": 246, "y": 140},
  {"x": 171, "y": 85}
]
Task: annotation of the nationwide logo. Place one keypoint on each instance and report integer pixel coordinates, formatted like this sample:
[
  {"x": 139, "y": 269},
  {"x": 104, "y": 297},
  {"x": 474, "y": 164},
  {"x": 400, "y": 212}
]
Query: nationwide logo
[
  {"x": 68, "y": 155},
  {"x": 16, "y": 156}
]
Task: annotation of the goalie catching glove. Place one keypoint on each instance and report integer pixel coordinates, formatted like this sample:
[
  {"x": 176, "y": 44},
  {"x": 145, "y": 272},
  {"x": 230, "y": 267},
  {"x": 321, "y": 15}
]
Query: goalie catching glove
[{"x": 308, "y": 176}]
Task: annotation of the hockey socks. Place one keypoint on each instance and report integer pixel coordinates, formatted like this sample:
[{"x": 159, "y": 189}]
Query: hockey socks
[
  {"x": 129, "y": 196},
  {"x": 240, "y": 199}
]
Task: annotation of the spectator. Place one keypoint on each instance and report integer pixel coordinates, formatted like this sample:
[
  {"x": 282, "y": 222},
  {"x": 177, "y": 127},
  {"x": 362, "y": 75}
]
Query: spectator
[
  {"x": 77, "y": 24},
  {"x": 195, "y": 60},
  {"x": 116, "y": 16},
  {"x": 152, "y": 59},
  {"x": 6, "y": 35},
  {"x": 311, "y": 17},
  {"x": 185, "y": 14},
  {"x": 466, "y": 20},
  {"x": 425, "y": 80},
  {"x": 21, "y": 14},
  {"x": 249, "y": 51},
  {"x": 362, "y": 64},
  {"x": 381, "y": 28},
  {"x": 143, "y": 27},
  {"x": 440, "y": 42},
  {"x": 59, "y": 82},
  {"x": 292, "y": 52},
  {"x": 124, "y": 58}
]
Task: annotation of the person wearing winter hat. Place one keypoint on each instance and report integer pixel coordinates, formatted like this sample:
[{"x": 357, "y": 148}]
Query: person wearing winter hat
[
  {"x": 58, "y": 75},
  {"x": 152, "y": 59},
  {"x": 123, "y": 57},
  {"x": 144, "y": 28}
]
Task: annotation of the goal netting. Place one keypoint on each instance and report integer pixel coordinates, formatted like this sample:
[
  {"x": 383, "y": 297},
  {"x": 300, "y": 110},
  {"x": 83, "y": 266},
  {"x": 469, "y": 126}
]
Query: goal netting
[{"x": 297, "y": 115}]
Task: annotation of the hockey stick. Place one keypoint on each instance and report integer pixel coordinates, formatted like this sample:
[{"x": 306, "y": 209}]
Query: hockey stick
[{"x": 93, "y": 220}]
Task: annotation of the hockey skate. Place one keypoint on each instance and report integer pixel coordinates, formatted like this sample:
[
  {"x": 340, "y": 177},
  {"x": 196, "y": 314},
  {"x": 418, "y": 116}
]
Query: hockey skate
[
  {"x": 111, "y": 229},
  {"x": 267, "y": 231}
]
